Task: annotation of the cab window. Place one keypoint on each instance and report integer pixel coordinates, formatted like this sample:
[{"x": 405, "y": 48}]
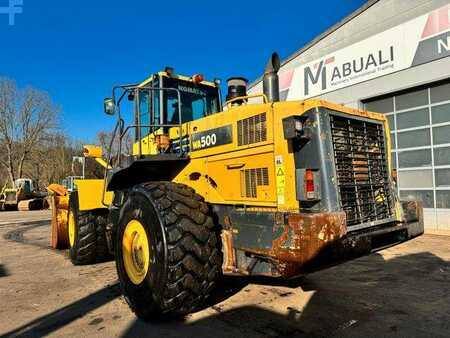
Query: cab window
[
  {"x": 144, "y": 111},
  {"x": 197, "y": 101}
]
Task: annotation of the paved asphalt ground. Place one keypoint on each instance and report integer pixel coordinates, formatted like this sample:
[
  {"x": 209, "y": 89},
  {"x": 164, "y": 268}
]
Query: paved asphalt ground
[{"x": 403, "y": 291}]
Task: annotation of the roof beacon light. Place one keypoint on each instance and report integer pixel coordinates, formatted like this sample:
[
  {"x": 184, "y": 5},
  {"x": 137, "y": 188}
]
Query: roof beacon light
[{"x": 197, "y": 78}]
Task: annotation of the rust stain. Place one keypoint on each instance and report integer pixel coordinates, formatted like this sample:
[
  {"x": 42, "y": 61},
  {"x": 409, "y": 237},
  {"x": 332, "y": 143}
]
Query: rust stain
[
  {"x": 303, "y": 238},
  {"x": 306, "y": 234},
  {"x": 229, "y": 256}
]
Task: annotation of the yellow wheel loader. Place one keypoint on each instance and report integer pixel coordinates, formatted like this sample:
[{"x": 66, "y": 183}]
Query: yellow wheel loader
[
  {"x": 82, "y": 232},
  {"x": 260, "y": 188}
]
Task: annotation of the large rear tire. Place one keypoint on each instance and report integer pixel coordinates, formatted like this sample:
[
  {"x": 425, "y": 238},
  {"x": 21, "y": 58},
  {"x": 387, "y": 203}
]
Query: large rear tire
[
  {"x": 167, "y": 250},
  {"x": 86, "y": 233}
]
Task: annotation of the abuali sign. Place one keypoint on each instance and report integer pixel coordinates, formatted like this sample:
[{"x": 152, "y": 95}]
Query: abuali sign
[{"x": 418, "y": 41}]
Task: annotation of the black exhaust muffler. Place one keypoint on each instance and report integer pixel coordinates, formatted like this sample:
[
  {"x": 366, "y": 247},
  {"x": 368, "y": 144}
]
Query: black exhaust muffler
[{"x": 271, "y": 87}]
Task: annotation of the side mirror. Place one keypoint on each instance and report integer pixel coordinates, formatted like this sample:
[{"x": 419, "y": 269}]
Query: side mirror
[{"x": 109, "y": 106}]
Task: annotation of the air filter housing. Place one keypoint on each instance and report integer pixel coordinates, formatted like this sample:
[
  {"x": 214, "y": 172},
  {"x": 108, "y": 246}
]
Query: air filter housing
[{"x": 237, "y": 87}]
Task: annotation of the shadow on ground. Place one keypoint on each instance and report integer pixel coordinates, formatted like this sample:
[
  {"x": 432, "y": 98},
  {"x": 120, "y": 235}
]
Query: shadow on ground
[
  {"x": 55, "y": 320},
  {"x": 404, "y": 296},
  {"x": 3, "y": 271},
  {"x": 17, "y": 235}
]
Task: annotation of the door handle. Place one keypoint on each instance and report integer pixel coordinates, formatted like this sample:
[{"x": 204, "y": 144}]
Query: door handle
[{"x": 235, "y": 166}]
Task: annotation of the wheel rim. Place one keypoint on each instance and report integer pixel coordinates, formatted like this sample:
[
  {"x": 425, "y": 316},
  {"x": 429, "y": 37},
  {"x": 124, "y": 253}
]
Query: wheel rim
[
  {"x": 135, "y": 251},
  {"x": 71, "y": 229}
]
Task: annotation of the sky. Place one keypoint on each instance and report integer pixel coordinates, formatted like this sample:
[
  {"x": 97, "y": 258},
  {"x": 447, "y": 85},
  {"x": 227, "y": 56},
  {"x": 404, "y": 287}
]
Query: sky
[{"x": 77, "y": 50}]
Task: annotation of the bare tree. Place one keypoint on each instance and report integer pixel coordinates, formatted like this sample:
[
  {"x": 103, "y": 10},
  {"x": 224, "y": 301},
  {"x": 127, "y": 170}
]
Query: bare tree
[
  {"x": 26, "y": 117},
  {"x": 104, "y": 140},
  {"x": 58, "y": 151}
]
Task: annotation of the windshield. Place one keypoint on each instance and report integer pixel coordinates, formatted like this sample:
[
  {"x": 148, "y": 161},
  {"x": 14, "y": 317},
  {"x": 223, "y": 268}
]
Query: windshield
[{"x": 197, "y": 101}]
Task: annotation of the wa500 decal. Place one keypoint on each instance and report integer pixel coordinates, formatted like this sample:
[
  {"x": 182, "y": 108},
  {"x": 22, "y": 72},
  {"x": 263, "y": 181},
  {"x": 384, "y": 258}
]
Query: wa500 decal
[{"x": 212, "y": 138}]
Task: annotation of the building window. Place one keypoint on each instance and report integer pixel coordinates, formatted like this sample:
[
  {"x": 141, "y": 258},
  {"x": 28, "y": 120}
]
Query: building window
[
  {"x": 426, "y": 196},
  {"x": 419, "y": 120}
]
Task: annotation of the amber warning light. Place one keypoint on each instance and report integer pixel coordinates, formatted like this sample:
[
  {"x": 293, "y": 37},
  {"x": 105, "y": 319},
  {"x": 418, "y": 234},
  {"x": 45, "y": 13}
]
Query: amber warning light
[{"x": 197, "y": 78}]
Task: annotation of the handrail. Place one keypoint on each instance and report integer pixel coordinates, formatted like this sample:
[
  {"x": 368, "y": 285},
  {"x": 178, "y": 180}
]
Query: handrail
[
  {"x": 119, "y": 124},
  {"x": 241, "y": 98},
  {"x": 119, "y": 127}
]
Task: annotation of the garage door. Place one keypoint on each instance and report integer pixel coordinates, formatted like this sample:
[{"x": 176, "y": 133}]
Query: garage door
[{"x": 420, "y": 128}]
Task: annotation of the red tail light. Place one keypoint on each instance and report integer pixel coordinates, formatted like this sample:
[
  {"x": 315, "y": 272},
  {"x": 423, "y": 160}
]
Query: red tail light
[{"x": 310, "y": 188}]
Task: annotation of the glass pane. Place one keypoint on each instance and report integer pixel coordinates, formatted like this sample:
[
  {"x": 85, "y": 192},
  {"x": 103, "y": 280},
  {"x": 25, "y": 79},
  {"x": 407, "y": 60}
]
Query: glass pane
[
  {"x": 391, "y": 121},
  {"x": 415, "y": 179},
  {"x": 426, "y": 196},
  {"x": 441, "y": 156},
  {"x": 442, "y": 177},
  {"x": 443, "y": 199},
  {"x": 440, "y": 93},
  {"x": 144, "y": 110},
  {"x": 415, "y": 138},
  {"x": 441, "y": 135},
  {"x": 412, "y": 99},
  {"x": 382, "y": 106},
  {"x": 441, "y": 113},
  {"x": 415, "y": 158},
  {"x": 413, "y": 118}
]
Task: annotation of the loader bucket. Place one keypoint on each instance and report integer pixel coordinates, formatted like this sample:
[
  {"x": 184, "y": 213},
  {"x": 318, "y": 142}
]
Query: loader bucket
[{"x": 59, "y": 204}]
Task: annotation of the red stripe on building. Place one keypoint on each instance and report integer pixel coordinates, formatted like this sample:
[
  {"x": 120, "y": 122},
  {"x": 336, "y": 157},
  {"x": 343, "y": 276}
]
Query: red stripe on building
[
  {"x": 285, "y": 79},
  {"x": 438, "y": 21}
]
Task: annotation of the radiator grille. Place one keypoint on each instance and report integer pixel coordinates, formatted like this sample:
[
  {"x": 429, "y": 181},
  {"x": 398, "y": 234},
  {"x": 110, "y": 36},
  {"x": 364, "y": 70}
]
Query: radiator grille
[
  {"x": 361, "y": 167},
  {"x": 251, "y": 178},
  {"x": 252, "y": 130}
]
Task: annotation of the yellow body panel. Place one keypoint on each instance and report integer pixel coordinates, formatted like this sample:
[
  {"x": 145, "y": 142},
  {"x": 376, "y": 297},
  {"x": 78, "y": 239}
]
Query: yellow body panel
[
  {"x": 220, "y": 167},
  {"x": 90, "y": 150},
  {"x": 217, "y": 170},
  {"x": 90, "y": 193}
]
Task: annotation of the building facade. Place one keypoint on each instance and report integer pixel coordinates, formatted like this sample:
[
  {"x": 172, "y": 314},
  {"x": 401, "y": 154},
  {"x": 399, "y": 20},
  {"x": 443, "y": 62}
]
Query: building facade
[{"x": 390, "y": 56}]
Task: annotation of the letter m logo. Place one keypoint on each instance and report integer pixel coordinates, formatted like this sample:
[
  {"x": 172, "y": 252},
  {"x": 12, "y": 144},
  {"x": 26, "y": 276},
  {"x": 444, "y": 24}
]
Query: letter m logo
[{"x": 313, "y": 78}]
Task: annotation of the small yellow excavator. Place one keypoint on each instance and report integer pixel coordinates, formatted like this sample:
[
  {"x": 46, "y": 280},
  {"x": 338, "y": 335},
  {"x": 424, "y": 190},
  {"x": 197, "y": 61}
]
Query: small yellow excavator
[{"x": 24, "y": 195}]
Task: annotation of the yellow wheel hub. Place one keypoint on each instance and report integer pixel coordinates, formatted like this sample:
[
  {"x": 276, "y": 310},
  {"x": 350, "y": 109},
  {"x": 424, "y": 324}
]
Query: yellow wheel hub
[
  {"x": 135, "y": 251},
  {"x": 71, "y": 229}
]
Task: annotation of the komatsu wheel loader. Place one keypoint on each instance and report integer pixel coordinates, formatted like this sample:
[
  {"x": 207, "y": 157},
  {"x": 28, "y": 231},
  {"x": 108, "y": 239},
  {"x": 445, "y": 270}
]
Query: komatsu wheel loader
[{"x": 269, "y": 188}]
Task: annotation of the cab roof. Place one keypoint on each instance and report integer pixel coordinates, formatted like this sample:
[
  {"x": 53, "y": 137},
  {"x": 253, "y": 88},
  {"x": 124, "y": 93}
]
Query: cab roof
[{"x": 174, "y": 76}]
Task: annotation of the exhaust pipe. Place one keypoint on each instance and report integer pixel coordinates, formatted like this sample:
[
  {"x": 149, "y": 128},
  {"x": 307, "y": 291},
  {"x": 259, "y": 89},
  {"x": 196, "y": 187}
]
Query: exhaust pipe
[{"x": 271, "y": 86}]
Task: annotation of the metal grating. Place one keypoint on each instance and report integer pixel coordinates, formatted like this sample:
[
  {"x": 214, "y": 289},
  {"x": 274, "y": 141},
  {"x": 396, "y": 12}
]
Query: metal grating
[
  {"x": 252, "y": 129},
  {"x": 362, "y": 170},
  {"x": 251, "y": 178}
]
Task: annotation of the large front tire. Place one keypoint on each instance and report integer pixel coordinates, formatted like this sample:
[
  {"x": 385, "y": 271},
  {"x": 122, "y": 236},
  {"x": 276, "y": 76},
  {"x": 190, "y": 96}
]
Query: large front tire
[
  {"x": 86, "y": 233},
  {"x": 167, "y": 250}
]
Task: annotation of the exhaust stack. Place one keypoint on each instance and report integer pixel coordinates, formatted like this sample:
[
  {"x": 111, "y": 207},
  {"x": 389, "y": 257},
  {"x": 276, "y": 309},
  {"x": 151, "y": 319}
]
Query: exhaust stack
[{"x": 271, "y": 86}]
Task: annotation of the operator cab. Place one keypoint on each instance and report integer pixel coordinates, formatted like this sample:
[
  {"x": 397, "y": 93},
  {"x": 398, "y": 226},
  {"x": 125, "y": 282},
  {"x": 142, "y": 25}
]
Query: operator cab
[
  {"x": 198, "y": 99},
  {"x": 161, "y": 104},
  {"x": 25, "y": 183}
]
